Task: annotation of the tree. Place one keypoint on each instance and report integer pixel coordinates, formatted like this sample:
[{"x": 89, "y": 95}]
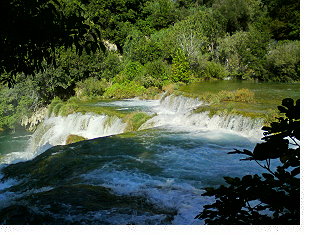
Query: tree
[
  {"x": 243, "y": 53},
  {"x": 273, "y": 198},
  {"x": 283, "y": 61},
  {"x": 32, "y": 30},
  {"x": 285, "y": 18},
  {"x": 115, "y": 17},
  {"x": 180, "y": 67},
  {"x": 161, "y": 13},
  {"x": 238, "y": 14}
]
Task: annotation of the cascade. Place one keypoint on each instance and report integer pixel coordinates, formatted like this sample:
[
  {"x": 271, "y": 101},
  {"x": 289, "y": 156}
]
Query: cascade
[
  {"x": 177, "y": 112},
  {"x": 172, "y": 111},
  {"x": 55, "y": 130}
]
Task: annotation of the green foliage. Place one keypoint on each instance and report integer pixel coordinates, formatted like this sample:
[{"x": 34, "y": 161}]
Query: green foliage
[
  {"x": 32, "y": 31},
  {"x": 243, "y": 53},
  {"x": 90, "y": 88},
  {"x": 139, "y": 47},
  {"x": 17, "y": 103},
  {"x": 115, "y": 17},
  {"x": 132, "y": 70},
  {"x": 180, "y": 67},
  {"x": 211, "y": 69},
  {"x": 285, "y": 18},
  {"x": 124, "y": 90},
  {"x": 156, "y": 73},
  {"x": 238, "y": 14},
  {"x": 283, "y": 61},
  {"x": 112, "y": 65},
  {"x": 272, "y": 198},
  {"x": 160, "y": 13}
]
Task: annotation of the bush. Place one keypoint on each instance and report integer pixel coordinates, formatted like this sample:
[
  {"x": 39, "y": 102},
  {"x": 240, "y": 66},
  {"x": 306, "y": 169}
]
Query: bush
[
  {"x": 127, "y": 89},
  {"x": 141, "y": 48},
  {"x": 158, "y": 69},
  {"x": 211, "y": 70},
  {"x": 132, "y": 70},
  {"x": 180, "y": 67},
  {"x": 283, "y": 62},
  {"x": 90, "y": 87}
]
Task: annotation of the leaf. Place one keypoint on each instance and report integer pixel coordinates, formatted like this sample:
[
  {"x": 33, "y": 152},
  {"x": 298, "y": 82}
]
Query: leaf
[
  {"x": 288, "y": 102},
  {"x": 295, "y": 172},
  {"x": 267, "y": 176},
  {"x": 229, "y": 180},
  {"x": 282, "y": 109},
  {"x": 244, "y": 151}
]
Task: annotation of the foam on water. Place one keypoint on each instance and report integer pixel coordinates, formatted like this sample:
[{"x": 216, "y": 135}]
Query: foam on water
[
  {"x": 189, "y": 152},
  {"x": 55, "y": 130},
  {"x": 175, "y": 112}
]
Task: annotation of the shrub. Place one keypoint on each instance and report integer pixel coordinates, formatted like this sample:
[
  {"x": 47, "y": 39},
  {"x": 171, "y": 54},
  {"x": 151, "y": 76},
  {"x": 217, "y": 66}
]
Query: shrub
[
  {"x": 212, "y": 70},
  {"x": 132, "y": 70},
  {"x": 90, "y": 87},
  {"x": 149, "y": 81},
  {"x": 180, "y": 67},
  {"x": 124, "y": 90},
  {"x": 283, "y": 62}
]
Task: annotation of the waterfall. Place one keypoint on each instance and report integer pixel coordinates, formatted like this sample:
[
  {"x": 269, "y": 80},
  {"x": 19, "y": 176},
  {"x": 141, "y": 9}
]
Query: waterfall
[
  {"x": 55, "y": 130},
  {"x": 177, "y": 112}
]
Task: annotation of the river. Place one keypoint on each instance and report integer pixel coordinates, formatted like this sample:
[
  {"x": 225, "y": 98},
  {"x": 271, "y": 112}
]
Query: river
[{"x": 152, "y": 176}]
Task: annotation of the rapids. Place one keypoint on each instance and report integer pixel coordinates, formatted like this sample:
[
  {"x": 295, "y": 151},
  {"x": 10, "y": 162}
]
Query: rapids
[{"x": 151, "y": 176}]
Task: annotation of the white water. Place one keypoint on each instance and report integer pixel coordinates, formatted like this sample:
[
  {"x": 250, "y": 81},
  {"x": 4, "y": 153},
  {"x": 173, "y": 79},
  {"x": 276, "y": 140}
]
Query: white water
[
  {"x": 175, "y": 112},
  {"x": 172, "y": 112},
  {"x": 55, "y": 130},
  {"x": 189, "y": 154}
]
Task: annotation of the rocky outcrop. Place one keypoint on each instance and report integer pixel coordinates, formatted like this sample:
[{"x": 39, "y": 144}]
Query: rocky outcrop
[{"x": 37, "y": 117}]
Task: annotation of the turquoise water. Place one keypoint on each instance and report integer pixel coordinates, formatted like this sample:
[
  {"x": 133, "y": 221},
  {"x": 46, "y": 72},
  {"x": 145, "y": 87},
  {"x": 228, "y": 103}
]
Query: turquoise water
[
  {"x": 13, "y": 141},
  {"x": 152, "y": 176},
  {"x": 162, "y": 169}
]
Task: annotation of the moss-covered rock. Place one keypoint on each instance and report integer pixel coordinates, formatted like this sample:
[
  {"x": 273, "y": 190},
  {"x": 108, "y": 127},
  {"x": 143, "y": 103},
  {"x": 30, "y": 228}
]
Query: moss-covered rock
[
  {"x": 135, "y": 120},
  {"x": 74, "y": 138}
]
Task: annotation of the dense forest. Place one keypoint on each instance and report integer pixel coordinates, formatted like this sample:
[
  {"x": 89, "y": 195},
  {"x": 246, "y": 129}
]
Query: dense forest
[{"x": 129, "y": 48}]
